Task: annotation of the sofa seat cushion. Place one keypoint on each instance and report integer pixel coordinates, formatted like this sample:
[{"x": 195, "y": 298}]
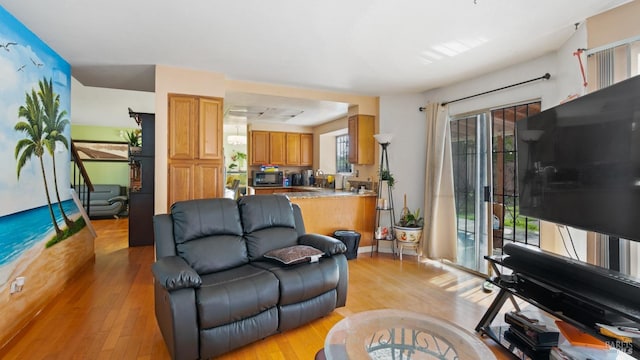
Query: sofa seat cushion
[
  {"x": 234, "y": 294},
  {"x": 99, "y": 203},
  {"x": 303, "y": 281}
]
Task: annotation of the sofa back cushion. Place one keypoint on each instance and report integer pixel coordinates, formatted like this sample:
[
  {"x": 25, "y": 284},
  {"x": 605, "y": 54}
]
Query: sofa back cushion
[
  {"x": 268, "y": 223},
  {"x": 208, "y": 234}
]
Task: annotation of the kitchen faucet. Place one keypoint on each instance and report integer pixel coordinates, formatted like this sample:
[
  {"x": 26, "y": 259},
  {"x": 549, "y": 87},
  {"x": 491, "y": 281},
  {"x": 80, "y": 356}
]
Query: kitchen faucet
[{"x": 319, "y": 182}]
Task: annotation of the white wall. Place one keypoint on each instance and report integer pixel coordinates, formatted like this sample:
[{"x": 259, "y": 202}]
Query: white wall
[
  {"x": 544, "y": 90},
  {"x": 399, "y": 114},
  {"x": 107, "y": 107},
  {"x": 568, "y": 68}
]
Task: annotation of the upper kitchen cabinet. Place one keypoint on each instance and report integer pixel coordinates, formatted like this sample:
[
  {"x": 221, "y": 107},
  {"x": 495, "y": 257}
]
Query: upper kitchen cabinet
[
  {"x": 281, "y": 148},
  {"x": 306, "y": 149},
  {"x": 259, "y": 148},
  {"x": 361, "y": 141},
  {"x": 293, "y": 149},
  {"x": 278, "y": 148},
  {"x": 195, "y": 147}
]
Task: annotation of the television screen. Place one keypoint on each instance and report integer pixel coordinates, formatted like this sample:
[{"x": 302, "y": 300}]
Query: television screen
[{"x": 579, "y": 162}]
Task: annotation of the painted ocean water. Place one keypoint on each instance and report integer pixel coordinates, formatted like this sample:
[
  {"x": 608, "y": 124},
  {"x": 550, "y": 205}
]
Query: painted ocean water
[{"x": 21, "y": 231}]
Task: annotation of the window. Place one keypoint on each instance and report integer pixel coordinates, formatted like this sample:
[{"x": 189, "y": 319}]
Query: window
[
  {"x": 608, "y": 65},
  {"x": 342, "y": 154},
  {"x": 613, "y": 63}
]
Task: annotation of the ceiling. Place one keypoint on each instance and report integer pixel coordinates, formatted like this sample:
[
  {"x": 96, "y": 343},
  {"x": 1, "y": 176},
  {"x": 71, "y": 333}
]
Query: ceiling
[{"x": 366, "y": 47}]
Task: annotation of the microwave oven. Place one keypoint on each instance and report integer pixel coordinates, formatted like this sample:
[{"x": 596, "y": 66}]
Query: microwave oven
[{"x": 268, "y": 178}]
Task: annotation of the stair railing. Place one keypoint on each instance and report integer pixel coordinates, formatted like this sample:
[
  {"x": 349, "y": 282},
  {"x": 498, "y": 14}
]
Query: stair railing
[{"x": 81, "y": 182}]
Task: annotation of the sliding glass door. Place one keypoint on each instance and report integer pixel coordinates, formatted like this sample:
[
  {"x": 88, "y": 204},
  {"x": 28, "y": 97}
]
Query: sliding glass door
[
  {"x": 471, "y": 170},
  {"x": 484, "y": 153},
  {"x": 509, "y": 224}
]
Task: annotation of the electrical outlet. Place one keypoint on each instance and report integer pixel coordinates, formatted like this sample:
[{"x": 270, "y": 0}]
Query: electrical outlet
[{"x": 17, "y": 284}]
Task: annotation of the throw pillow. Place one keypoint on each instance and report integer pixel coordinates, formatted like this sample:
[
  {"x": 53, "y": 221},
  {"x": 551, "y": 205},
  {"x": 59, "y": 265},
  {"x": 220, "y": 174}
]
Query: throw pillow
[{"x": 294, "y": 254}]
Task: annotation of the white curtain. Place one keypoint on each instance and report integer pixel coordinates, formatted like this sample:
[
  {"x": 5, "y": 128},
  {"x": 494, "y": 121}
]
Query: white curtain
[{"x": 440, "y": 234}]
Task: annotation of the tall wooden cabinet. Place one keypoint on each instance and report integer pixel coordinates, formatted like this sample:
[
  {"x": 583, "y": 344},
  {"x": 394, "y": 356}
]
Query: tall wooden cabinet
[
  {"x": 361, "y": 141},
  {"x": 141, "y": 183},
  {"x": 196, "y": 158}
]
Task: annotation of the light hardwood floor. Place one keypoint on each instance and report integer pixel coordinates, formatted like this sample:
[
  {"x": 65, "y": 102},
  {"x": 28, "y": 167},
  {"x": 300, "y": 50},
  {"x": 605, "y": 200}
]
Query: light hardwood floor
[{"x": 106, "y": 311}]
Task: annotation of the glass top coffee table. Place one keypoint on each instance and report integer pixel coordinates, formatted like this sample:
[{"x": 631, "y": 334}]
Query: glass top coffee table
[{"x": 398, "y": 334}]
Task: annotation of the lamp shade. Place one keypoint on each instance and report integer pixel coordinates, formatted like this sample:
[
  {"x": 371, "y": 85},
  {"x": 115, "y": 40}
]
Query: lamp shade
[{"x": 383, "y": 138}]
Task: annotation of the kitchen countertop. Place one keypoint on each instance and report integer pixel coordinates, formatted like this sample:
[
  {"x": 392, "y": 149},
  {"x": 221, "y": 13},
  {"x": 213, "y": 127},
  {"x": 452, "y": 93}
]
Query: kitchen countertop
[{"x": 309, "y": 192}]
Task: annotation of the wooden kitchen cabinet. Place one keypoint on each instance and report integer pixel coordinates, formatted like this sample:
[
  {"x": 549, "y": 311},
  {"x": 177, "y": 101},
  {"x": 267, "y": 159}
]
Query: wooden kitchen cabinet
[
  {"x": 277, "y": 148},
  {"x": 293, "y": 149},
  {"x": 306, "y": 149},
  {"x": 183, "y": 112},
  {"x": 210, "y": 129},
  {"x": 208, "y": 178},
  {"x": 267, "y": 190},
  {"x": 280, "y": 148},
  {"x": 195, "y": 164},
  {"x": 180, "y": 180},
  {"x": 361, "y": 141},
  {"x": 259, "y": 148}
]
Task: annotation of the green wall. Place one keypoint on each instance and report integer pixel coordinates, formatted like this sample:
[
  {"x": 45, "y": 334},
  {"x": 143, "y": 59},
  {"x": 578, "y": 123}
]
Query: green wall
[{"x": 103, "y": 172}]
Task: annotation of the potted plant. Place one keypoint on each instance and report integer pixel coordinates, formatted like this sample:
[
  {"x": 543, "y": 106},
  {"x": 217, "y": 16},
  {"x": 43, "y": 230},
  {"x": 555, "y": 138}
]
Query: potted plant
[
  {"x": 134, "y": 138},
  {"x": 409, "y": 227},
  {"x": 388, "y": 176},
  {"x": 238, "y": 156}
]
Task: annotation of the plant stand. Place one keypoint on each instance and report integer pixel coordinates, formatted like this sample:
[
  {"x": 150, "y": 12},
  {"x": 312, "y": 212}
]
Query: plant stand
[
  {"x": 408, "y": 237},
  {"x": 384, "y": 208}
]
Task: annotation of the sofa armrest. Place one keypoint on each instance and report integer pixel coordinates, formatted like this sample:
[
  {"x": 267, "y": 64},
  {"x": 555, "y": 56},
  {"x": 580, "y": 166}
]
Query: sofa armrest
[
  {"x": 173, "y": 273},
  {"x": 327, "y": 244},
  {"x": 119, "y": 198}
]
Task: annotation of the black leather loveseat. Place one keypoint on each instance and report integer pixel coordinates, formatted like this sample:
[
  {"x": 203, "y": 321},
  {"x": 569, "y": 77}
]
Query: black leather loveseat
[{"x": 216, "y": 291}]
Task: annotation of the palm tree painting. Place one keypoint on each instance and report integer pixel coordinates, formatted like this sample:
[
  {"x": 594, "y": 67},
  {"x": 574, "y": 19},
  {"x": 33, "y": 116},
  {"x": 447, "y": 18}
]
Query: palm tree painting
[
  {"x": 55, "y": 123},
  {"x": 34, "y": 143}
]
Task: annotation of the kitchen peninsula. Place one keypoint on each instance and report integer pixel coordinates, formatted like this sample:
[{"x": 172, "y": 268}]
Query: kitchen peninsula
[{"x": 327, "y": 210}]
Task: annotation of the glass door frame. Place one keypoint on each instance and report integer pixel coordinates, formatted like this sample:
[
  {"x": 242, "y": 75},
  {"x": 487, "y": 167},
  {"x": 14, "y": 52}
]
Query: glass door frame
[
  {"x": 485, "y": 185},
  {"x": 473, "y": 241}
]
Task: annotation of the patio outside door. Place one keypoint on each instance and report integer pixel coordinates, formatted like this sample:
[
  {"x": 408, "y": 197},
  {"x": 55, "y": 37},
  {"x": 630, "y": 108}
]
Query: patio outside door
[
  {"x": 484, "y": 153},
  {"x": 471, "y": 169}
]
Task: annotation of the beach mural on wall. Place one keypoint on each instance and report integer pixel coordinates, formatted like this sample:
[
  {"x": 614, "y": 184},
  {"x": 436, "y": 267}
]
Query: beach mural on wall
[
  {"x": 45, "y": 240},
  {"x": 36, "y": 211}
]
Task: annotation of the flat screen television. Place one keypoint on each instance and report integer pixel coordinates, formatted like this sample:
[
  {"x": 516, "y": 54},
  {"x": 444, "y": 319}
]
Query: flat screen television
[{"x": 579, "y": 162}]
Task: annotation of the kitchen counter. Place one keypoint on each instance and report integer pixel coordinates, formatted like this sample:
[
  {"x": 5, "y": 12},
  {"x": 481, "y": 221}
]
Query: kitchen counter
[
  {"x": 327, "y": 210},
  {"x": 306, "y": 192}
]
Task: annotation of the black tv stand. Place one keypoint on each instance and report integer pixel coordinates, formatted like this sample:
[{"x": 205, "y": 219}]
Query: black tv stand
[{"x": 575, "y": 292}]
